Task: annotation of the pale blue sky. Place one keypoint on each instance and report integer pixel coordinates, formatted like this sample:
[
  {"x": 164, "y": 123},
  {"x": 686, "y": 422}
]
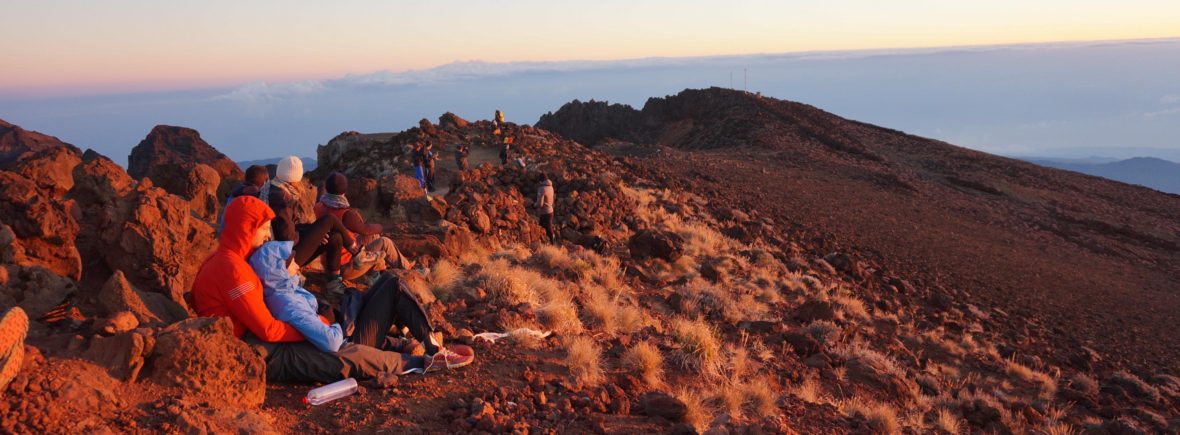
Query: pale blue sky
[{"x": 56, "y": 47}]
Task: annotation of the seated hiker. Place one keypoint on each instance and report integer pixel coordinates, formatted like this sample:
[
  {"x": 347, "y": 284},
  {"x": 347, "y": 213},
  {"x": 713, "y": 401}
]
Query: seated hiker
[
  {"x": 323, "y": 236},
  {"x": 288, "y": 301},
  {"x": 378, "y": 252},
  {"x": 256, "y": 177},
  {"x": 226, "y": 286}
]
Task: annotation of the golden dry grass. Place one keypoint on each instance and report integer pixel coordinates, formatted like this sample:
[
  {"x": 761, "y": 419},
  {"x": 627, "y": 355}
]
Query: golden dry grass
[
  {"x": 1047, "y": 384},
  {"x": 584, "y": 359},
  {"x": 948, "y": 421},
  {"x": 810, "y": 390},
  {"x": 505, "y": 283},
  {"x": 881, "y": 417},
  {"x": 647, "y": 360},
  {"x": 698, "y": 414},
  {"x": 699, "y": 347},
  {"x": 444, "y": 278},
  {"x": 761, "y": 397}
]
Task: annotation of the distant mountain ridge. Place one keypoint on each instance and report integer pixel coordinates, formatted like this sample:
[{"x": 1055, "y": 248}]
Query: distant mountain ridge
[
  {"x": 1156, "y": 173},
  {"x": 309, "y": 163}
]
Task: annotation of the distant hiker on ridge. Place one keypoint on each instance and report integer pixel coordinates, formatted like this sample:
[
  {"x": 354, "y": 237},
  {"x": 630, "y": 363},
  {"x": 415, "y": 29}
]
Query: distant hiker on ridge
[
  {"x": 498, "y": 121},
  {"x": 505, "y": 148},
  {"x": 417, "y": 158},
  {"x": 428, "y": 158},
  {"x": 461, "y": 152}
]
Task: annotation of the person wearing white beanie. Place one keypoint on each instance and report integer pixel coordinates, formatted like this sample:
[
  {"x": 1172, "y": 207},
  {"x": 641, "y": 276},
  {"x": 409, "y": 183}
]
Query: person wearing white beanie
[
  {"x": 325, "y": 237},
  {"x": 290, "y": 169}
]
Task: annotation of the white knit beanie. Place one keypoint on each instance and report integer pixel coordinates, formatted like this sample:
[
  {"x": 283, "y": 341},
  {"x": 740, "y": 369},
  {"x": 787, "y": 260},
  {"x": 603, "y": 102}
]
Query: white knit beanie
[{"x": 290, "y": 169}]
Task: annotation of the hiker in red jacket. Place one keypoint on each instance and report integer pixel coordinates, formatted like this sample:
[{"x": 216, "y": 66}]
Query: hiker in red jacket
[
  {"x": 226, "y": 286},
  {"x": 378, "y": 252}
]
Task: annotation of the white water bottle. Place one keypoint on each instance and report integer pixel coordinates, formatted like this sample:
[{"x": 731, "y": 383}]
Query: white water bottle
[{"x": 330, "y": 392}]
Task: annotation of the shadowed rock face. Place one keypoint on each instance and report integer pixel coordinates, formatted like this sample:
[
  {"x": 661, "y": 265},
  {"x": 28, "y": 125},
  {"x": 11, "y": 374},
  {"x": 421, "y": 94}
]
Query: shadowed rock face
[
  {"x": 16, "y": 143},
  {"x": 167, "y": 145}
]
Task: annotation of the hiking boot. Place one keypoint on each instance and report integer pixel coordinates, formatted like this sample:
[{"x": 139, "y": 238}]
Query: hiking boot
[
  {"x": 14, "y": 326},
  {"x": 450, "y": 358},
  {"x": 335, "y": 286},
  {"x": 406, "y": 346},
  {"x": 363, "y": 258}
]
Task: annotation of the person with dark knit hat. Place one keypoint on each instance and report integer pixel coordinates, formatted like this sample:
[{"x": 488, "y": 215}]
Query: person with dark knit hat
[
  {"x": 378, "y": 252},
  {"x": 256, "y": 177}
]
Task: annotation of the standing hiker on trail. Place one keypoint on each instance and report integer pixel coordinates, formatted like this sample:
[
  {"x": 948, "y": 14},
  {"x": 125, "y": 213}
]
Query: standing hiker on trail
[
  {"x": 256, "y": 177},
  {"x": 378, "y": 252},
  {"x": 324, "y": 236},
  {"x": 428, "y": 158},
  {"x": 418, "y": 159},
  {"x": 505, "y": 147},
  {"x": 226, "y": 286},
  {"x": 544, "y": 206},
  {"x": 461, "y": 152}
]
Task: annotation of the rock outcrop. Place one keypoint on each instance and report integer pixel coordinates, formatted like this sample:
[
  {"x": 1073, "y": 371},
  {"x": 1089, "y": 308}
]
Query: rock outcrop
[
  {"x": 167, "y": 147},
  {"x": 17, "y": 144},
  {"x": 42, "y": 228}
]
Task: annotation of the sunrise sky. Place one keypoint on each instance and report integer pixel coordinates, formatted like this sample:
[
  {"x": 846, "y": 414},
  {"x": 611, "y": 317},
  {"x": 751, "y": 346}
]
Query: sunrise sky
[{"x": 62, "y": 48}]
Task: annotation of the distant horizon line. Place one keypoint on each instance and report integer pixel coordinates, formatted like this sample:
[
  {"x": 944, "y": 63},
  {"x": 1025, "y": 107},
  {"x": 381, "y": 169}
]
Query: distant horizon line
[{"x": 29, "y": 94}]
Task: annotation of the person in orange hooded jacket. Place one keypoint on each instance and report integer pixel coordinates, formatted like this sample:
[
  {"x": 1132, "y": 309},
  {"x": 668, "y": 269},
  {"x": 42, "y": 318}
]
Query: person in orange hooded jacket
[{"x": 226, "y": 286}]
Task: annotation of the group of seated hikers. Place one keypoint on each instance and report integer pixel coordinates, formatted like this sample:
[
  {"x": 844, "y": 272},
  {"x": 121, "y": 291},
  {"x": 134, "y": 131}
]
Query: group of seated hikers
[{"x": 254, "y": 279}]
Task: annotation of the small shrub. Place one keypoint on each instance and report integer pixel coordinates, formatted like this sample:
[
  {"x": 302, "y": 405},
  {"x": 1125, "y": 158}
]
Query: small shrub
[
  {"x": 823, "y": 331},
  {"x": 647, "y": 360},
  {"x": 1084, "y": 383},
  {"x": 584, "y": 359}
]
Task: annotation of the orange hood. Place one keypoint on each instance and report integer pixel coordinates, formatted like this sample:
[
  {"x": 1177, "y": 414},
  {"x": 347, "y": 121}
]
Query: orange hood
[{"x": 243, "y": 217}]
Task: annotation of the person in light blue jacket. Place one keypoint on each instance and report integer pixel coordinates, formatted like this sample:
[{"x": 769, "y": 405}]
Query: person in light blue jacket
[{"x": 289, "y": 302}]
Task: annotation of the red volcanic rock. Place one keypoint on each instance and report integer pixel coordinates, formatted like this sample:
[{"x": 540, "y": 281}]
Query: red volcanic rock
[
  {"x": 16, "y": 143},
  {"x": 51, "y": 169},
  {"x": 150, "y": 235},
  {"x": 167, "y": 144},
  {"x": 43, "y": 228},
  {"x": 197, "y": 183},
  {"x": 204, "y": 358}
]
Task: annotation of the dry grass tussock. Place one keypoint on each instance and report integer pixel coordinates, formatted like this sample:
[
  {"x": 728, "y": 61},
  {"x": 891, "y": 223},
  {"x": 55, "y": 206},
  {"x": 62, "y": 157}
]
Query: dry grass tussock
[
  {"x": 810, "y": 391},
  {"x": 599, "y": 308},
  {"x": 761, "y": 397},
  {"x": 1046, "y": 383},
  {"x": 584, "y": 359},
  {"x": 703, "y": 298},
  {"x": 557, "y": 311},
  {"x": 700, "y": 348},
  {"x": 881, "y": 417},
  {"x": 823, "y": 331},
  {"x": 647, "y": 360},
  {"x": 505, "y": 283},
  {"x": 698, "y": 413},
  {"x": 444, "y": 279},
  {"x": 948, "y": 421}
]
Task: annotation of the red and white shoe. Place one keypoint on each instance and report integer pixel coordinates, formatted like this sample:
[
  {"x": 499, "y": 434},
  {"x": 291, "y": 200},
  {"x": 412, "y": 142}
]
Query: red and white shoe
[{"x": 450, "y": 358}]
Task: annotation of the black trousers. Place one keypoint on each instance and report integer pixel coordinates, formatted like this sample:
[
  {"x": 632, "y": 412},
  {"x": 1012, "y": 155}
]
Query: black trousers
[
  {"x": 547, "y": 224},
  {"x": 311, "y": 246},
  {"x": 388, "y": 304},
  {"x": 303, "y": 362}
]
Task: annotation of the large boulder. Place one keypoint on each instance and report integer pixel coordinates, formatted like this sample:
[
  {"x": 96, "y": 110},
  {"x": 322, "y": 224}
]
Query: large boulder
[
  {"x": 118, "y": 295},
  {"x": 123, "y": 355},
  {"x": 150, "y": 235},
  {"x": 168, "y": 145},
  {"x": 51, "y": 169},
  {"x": 34, "y": 288},
  {"x": 195, "y": 182},
  {"x": 665, "y": 245},
  {"x": 43, "y": 229},
  {"x": 204, "y": 358}
]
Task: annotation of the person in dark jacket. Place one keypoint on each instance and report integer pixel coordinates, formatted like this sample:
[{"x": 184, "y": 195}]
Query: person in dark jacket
[
  {"x": 256, "y": 177},
  {"x": 428, "y": 158},
  {"x": 325, "y": 236},
  {"x": 505, "y": 148},
  {"x": 461, "y": 152}
]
